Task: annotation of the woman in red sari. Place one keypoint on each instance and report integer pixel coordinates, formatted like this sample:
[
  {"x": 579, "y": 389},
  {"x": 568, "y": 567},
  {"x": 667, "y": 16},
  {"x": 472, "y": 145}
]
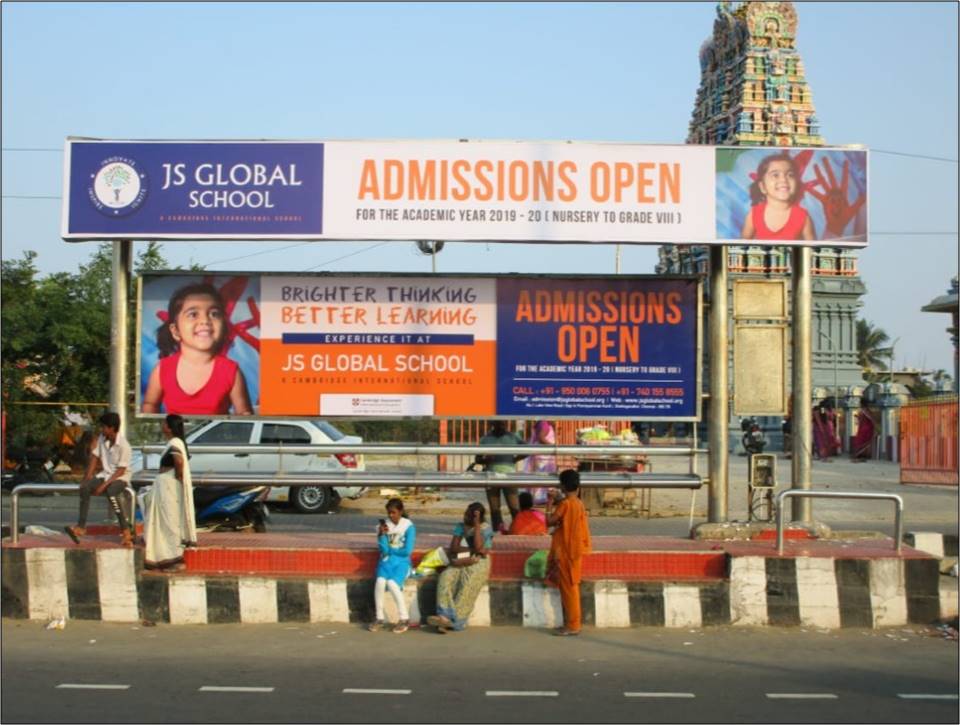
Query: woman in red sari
[{"x": 861, "y": 448}]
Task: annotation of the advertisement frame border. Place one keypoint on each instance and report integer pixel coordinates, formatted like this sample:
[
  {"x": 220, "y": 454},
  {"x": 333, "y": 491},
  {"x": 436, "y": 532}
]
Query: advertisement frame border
[
  {"x": 698, "y": 343},
  {"x": 162, "y": 236}
]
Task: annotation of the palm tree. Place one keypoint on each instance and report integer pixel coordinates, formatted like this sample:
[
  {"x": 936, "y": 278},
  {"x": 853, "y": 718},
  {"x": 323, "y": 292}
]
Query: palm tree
[{"x": 871, "y": 352}]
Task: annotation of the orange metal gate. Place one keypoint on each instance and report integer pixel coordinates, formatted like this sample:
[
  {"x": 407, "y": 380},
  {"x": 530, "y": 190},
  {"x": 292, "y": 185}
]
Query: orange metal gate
[{"x": 928, "y": 442}]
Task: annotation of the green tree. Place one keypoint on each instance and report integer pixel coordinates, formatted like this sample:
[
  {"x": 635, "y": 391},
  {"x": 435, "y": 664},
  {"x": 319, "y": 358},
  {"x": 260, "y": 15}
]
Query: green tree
[
  {"x": 55, "y": 339},
  {"x": 871, "y": 353}
]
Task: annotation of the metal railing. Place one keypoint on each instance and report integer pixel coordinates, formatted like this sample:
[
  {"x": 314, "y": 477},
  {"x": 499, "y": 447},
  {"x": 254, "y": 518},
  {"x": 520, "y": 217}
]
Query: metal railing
[
  {"x": 474, "y": 479},
  {"x": 416, "y": 449},
  {"x": 53, "y": 488},
  {"x": 795, "y": 493}
]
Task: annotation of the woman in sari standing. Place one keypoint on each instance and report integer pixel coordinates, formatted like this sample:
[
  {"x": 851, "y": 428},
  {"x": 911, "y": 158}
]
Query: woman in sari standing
[
  {"x": 169, "y": 521},
  {"x": 541, "y": 435},
  {"x": 861, "y": 448}
]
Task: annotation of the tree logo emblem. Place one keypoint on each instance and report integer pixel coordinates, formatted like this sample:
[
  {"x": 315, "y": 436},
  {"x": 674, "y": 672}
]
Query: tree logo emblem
[{"x": 119, "y": 187}]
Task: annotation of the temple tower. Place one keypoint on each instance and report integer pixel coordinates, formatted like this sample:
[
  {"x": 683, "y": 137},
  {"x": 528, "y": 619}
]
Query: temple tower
[{"x": 754, "y": 92}]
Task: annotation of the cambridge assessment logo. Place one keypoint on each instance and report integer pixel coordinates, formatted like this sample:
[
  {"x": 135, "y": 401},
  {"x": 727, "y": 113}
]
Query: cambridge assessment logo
[{"x": 119, "y": 187}]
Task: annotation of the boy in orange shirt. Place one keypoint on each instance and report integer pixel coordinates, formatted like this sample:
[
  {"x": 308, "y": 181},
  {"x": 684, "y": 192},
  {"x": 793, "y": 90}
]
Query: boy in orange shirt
[{"x": 571, "y": 542}]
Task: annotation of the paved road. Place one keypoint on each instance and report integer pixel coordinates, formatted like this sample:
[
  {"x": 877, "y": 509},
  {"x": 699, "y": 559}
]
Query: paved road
[{"x": 325, "y": 673}]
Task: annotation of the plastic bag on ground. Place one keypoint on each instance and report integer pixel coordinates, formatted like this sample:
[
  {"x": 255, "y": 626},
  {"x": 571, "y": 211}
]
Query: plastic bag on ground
[{"x": 35, "y": 530}]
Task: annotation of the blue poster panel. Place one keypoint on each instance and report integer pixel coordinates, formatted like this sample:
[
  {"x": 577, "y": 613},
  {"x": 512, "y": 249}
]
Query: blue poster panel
[
  {"x": 605, "y": 347},
  {"x": 130, "y": 190}
]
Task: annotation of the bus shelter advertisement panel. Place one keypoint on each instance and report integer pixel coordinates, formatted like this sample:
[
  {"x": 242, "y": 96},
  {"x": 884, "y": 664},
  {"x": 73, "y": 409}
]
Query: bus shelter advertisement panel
[
  {"x": 193, "y": 190},
  {"x": 464, "y": 191},
  {"x": 402, "y": 345},
  {"x": 601, "y": 347},
  {"x": 378, "y": 346},
  {"x": 519, "y": 191}
]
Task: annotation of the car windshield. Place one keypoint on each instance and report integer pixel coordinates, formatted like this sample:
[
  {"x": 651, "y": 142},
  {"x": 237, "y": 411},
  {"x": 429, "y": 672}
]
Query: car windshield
[{"x": 328, "y": 430}]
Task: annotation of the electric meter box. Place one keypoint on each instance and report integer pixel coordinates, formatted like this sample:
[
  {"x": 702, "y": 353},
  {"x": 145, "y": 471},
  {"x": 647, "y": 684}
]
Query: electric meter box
[{"x": 763, "y": 470}]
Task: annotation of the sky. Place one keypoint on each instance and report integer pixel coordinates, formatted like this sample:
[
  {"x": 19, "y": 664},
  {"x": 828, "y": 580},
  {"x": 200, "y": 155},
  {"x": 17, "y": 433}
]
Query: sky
[{"x": 882, "y": 74}]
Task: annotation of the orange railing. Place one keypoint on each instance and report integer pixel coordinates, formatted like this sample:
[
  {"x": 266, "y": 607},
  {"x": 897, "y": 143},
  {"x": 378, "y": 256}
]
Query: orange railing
[{"x": 928, "y": 442}]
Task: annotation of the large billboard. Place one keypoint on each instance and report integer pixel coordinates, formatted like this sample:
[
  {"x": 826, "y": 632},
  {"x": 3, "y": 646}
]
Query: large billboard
[
  {"x": 463, "y": 191},
  {"x": 385, "y": 346}
]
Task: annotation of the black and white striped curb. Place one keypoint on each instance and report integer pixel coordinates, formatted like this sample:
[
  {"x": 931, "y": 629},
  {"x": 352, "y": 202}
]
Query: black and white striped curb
[
  {"x": 942, "y": 546},
  {"x": 109, "y": 585}
]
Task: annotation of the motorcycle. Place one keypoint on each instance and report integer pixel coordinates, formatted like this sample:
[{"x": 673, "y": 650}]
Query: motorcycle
[
  {"x": 33, "y": 465},
  {"x": 224, "y": 508},
  {"x": 753, "y": 439}
]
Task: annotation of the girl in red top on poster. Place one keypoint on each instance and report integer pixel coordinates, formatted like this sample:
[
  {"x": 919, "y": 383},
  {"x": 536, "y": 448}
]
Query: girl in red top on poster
[
  {"x": 193, "y": 376},
  {"x": 776, "y": 212}
]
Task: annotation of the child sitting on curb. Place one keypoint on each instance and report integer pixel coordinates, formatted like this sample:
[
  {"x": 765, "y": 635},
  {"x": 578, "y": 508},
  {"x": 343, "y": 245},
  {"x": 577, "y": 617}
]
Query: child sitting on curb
[{"x": 396, "y": 537}]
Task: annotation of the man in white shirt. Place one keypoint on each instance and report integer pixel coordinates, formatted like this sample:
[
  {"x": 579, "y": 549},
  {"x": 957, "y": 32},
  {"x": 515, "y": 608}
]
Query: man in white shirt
[{"x": 108, "y": 472}]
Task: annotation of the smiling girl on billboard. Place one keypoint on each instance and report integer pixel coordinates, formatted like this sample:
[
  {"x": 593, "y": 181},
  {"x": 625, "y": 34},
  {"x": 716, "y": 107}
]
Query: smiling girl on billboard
[
  {"x": 776, "y": 212},
  {"x": 193, "y": 377}
]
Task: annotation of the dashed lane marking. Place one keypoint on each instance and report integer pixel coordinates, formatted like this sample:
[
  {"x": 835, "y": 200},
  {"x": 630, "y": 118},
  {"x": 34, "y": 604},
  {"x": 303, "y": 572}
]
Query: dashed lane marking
[
  {"x": 922, "y": 696},
  {"x": 75, "y": 686},
  {"x": 362, "y": 691},
  {"x": 659, "y": 694},
  {"x": 801, "y": 696},
  {"x": 522, "y": 693},
  {"x": 218, "y": 688}
]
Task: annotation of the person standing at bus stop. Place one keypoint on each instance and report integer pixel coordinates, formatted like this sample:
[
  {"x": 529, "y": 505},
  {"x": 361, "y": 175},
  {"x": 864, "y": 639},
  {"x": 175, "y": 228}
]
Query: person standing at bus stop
[
  {"x": 571, "y": 542},
  {"x": 498, "y": 435},
  {"x": 108, "y": 472}
]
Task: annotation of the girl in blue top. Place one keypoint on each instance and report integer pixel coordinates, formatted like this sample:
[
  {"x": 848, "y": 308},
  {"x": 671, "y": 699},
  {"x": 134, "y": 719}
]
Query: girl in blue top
[{"x": 396, "y": 536}]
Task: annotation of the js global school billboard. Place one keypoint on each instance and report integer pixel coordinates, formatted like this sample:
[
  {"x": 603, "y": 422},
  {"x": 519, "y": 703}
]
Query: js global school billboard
[
  {"x": 469, "y": 191},
  {"x": 354, "y": 345}
]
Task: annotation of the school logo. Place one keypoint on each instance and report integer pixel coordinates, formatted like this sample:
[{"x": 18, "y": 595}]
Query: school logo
[{"x": 119, "y": 187}]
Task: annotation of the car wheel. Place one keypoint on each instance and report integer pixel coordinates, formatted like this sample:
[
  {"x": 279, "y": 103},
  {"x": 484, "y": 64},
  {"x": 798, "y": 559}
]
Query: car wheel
[{"x": 312, "y": 499}]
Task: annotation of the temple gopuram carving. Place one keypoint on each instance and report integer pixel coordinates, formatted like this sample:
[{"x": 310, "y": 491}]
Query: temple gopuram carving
[{"x": 754, "y": 92}]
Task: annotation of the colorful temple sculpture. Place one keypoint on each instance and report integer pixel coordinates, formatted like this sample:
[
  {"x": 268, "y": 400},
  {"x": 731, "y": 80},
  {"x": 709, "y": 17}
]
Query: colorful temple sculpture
[{"x": 754, "y": 92}]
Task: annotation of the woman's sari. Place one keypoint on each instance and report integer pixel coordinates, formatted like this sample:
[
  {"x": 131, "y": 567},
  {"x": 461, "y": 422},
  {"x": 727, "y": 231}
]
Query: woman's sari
[
  {"x": 459, "y": 586},
  {"x": 169, "y": 521},
  {"x": 862, "y": 445},
  {"x": 540, "y": 464},
  {"x": 826, "y": 443}
]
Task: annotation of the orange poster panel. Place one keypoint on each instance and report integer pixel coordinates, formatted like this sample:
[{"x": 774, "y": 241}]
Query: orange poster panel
[{"x": 456, "y": 380}]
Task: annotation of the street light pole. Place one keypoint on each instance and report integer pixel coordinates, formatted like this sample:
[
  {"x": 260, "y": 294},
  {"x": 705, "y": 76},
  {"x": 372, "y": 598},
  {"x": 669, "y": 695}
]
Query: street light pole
[
  {"x": 834, "y": 352},
  {"x": 893, "y": 346}
]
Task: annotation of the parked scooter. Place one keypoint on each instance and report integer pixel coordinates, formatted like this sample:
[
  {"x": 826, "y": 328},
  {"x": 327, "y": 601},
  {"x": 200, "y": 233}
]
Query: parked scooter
[
  {"x": 753, "y": 439},
  {"x": 225, "y": 508},
  {"x": 230, "y": 508}
]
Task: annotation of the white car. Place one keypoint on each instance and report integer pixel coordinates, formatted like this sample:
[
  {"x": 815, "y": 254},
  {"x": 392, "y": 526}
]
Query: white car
[{"x": 308, "y": 499}]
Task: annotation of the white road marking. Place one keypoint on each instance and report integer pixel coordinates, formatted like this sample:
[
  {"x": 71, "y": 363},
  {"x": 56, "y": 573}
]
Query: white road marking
[
  {"x": 362, "y": 691},
  {"x": 217, "y": 688},
  {"x": 73, "y": 686},
  {"x": 801, "y": 696},
  {"x": 522, "y": 693},
  {"x": 919, "y": 696},
  {"x": 658, "y": 694}
]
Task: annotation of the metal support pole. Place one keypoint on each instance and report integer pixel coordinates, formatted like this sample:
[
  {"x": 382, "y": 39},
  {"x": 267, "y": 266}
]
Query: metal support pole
[
  {"x": 802, "y": 460},
  {"x": 719, "y": 417},
  {"x": 122, "y": 252}
]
